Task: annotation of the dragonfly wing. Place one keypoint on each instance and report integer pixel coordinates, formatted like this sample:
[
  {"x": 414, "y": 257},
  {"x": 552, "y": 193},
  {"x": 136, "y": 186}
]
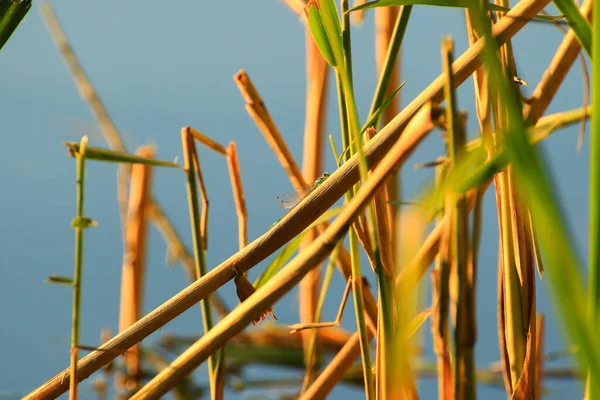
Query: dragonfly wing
[{"x": 290, "y": 199}]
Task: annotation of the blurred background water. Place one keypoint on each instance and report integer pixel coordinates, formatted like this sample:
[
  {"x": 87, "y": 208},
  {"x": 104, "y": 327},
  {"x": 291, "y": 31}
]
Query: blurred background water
[{"x": 158, "y": 68}]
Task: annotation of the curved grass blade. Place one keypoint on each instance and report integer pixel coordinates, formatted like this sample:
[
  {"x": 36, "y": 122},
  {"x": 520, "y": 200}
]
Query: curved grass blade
[
  {"x": 448, "y": 4},
  {"x": 11, "y": 15}
]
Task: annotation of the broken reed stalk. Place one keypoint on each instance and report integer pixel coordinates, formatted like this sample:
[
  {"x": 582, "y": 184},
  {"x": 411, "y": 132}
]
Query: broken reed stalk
[
  {"x": 288, "y": 277},
  {"x": 312, "y": 165},
  {"x": 561, "y": 63},
  {"x": 259, "y": 113},
  {"x": 192, "y": 133},
  {"x": 440, "y": 303},
  {"x": 238, "y": 194},
  {"x": 206, "y": 141},
  {"x": 133, "y": 271},
  {"x": 299, "y": 218},
  {"x": 193, "y": 173},
  {"x": 90, "y": 96},
  {"x": 464, "y": 369}
]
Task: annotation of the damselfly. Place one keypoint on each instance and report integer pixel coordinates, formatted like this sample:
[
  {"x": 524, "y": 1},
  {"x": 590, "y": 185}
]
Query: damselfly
[{"x": 290, "y": 199}]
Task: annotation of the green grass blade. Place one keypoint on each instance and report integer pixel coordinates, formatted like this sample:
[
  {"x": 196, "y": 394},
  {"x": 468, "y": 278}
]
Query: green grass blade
[
  {"x": 476, "y": 4},
  {"x": 291, "y": 248},
  {"x": 12, "y": 13},
  {"x": 279, "y": 261},
  {"x": 594, "y": 234},
  {"x": 581, "y": 27},
  {"x": 391, "y": 58},
  {"x": 318, "y": 33},
  {"x": 107, "y": 155}
]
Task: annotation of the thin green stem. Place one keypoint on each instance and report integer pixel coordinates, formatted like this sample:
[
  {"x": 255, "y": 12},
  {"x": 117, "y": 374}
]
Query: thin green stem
[
  {"x": 594, "y": 239},
  {"x": 190, "y": 158},
  {"x": 581, "y": 27},
  {"x": 11, "y": 14},
  {"x": 390, "y": 60},
  {"x": 79, "y": 227}
]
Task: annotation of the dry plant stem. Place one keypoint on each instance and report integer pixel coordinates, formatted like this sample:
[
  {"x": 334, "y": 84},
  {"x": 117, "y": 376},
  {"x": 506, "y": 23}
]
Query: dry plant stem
[
  {"x": 440, "y": 300},
  {"x": 288, "y": 277},
  {"x": 539, "y": 369},
  {"x": 338, "y": 319},
  {"x": 238, "y": 194},
  {"x": 556, "y": 72},
  {"x": 90, "y": 96},
  {"x": 383, "y": 226},
  {"x": 330, "y": 376},
  {"x": 205, "y": 140},
  {"x": 316, "y": 79},
  {"x": 464, "y": 370},
  {"x": 299, "y": 218},
  {"x": 258, "y": 111},
  {"x": 297, "y": 6},
  {"x": 132, "y": 278},
  {"x": 385, "y": 18}
]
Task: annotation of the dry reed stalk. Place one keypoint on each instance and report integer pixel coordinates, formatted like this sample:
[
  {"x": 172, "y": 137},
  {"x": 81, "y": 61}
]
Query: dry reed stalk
[
  {"x": 312, "y": 165},
  {"x": 440, "y": 304},
  {"x": 297, "y": 6},
  {"x": 205, "y": 140},
  {"x": 295, "y": 221},
  {"x": 288, "y": 277},
  {"x": 385, "y": 19},
  {"x": 556, "y": 72},
  {"x": 539, "y": 351},
  {"x": 358, "y": 16},
  {"x": 258, "y": 111},
  {"x": 335, "y": 370},
  {"x": 90, "y": 96},
  {"x": 133, "y": 272},
  {"x": 383, "y": 225},
  {"x": 238, "y": 194}
]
